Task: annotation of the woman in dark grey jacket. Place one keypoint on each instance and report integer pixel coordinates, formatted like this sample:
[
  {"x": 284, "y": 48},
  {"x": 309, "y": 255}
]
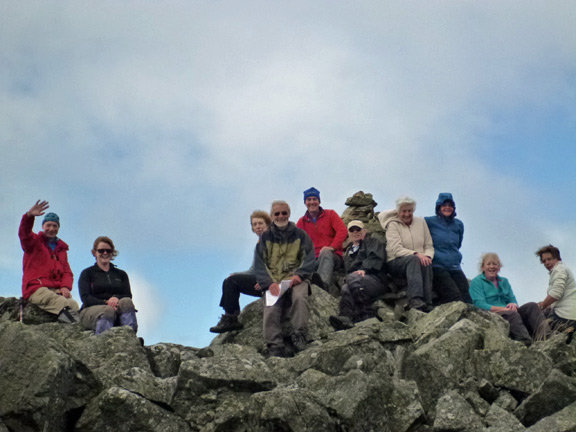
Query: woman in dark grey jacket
[
  {"x": 105, "y": 291},
  {"x": 364, "y": 260}
]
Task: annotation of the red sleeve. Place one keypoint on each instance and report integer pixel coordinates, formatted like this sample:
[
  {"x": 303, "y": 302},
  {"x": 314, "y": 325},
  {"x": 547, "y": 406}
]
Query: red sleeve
[
  {"x": 27, "y": 237},
  {"x": 300, "y": 223},
  {"x": 341, "y": 230}
]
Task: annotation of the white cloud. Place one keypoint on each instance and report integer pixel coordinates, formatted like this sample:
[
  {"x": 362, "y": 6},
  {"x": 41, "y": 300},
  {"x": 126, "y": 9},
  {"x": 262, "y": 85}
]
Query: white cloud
[
  {"x": 148, "y": 299},
  {"x": 167, "y": 124}
]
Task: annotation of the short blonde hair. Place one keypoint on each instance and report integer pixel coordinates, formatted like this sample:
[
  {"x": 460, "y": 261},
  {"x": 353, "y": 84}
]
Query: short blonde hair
[
  {"x": 486, "y": 256},
  {"x": 403, "y": 201}
]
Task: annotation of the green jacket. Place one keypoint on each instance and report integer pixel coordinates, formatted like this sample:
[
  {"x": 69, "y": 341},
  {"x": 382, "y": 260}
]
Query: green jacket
[{"x": 282, "y": 254}]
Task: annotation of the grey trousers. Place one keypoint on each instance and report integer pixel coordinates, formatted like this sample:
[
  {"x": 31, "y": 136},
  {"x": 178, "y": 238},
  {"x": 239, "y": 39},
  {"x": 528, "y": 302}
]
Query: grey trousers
[
  {"x": 297, "y": 298},
  {"x": 419, "y": 277},
  {"x": 89, "y": 316},
  {"x": 358, "y": 295},
  {"x": 326, "y": 263},
  {"x": 527, "y": 323}
]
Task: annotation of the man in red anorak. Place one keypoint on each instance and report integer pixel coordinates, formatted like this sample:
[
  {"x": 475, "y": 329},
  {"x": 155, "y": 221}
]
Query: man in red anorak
[
  {"x": 328, "y": 232},
  {"x": 47, "y": 279}
]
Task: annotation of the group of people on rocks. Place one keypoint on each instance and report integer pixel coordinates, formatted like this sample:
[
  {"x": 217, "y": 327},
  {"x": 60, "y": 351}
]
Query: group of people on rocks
[
  {"x": 425, "y": 252},
  {"x": 289, "y": 257},
  {"x": 47, "y": 278}
]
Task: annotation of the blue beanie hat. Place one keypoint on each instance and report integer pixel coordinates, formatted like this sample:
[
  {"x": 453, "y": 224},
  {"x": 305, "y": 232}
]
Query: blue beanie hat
[
  {"x": 312, "y": 192},
  {"x": 51, "y": 217}
]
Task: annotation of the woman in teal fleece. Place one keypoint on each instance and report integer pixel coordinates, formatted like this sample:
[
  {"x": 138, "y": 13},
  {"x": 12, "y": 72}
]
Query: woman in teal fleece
[{"x": 492, "y": 292}]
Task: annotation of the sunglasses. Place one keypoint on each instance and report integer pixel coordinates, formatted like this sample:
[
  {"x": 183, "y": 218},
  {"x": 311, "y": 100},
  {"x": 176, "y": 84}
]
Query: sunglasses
[
  {"x": 104, "y": 251},
  {"x": 355, "y": 229},
  {"x": 284, "y": 213}
]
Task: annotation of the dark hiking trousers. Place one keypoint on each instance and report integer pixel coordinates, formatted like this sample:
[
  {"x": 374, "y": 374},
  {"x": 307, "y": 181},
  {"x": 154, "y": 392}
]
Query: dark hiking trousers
[{"x": 233, "y": 286}]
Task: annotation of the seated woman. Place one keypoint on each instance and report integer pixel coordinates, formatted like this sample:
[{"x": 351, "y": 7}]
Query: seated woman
[
  {"x": 449, "y": 281},
  {"x": 560, "y": 302},
  {"x": 105, "y": 291},
  {"x": 493, "y": 293},
  {"x": 242, "y": 282},
  {"x": 364, "y": 259},
  {"x": 409, "y": 251}
]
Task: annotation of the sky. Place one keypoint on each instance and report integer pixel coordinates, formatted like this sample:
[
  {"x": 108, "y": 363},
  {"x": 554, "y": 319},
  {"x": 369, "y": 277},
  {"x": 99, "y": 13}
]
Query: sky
[{"x": 164, "y": 124}]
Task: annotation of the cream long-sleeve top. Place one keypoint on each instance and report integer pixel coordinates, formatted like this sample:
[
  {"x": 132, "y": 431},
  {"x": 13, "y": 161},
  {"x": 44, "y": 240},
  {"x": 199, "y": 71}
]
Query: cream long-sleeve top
[
  {"x": 404, "y": 240},
  {"x": 562, "y": 286}
]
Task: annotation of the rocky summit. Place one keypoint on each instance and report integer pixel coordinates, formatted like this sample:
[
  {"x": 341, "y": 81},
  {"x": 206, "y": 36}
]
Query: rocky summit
[{"x": 453, "y": 369}]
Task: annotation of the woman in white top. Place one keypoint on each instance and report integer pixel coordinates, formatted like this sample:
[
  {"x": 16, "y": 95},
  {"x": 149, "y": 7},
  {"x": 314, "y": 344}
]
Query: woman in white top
[{"x": 560, "y": 302}]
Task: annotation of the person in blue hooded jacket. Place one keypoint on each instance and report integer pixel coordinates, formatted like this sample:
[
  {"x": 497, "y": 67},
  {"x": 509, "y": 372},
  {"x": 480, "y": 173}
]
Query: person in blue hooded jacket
[{"x": 449, "y": 282}]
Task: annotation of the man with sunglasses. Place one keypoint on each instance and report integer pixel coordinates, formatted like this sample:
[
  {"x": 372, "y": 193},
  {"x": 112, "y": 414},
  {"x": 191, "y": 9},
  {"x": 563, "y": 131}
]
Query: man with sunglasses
[
  {"x": 328, "y": 232},
  {"x": 364, "y": 260},
  {"x": 285, "y": 254},
  {"x": 47, "y": 279}
]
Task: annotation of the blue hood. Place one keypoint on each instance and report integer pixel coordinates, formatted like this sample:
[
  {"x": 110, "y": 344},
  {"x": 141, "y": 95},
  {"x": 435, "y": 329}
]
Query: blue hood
[{"x": 442, "y": 197}]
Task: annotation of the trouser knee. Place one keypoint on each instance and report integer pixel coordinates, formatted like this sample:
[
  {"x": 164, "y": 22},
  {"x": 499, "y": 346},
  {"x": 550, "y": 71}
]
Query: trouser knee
[
  {"x": 125, "y": 305},
  {"x": 357, "y": 290},
  {"x": 109, "y": 314}
]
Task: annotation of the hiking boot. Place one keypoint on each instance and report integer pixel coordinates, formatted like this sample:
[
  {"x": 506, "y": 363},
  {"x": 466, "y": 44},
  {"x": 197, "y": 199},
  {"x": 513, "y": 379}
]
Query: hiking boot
[
  {"x": 68, "y": 316},
  {"x": 299, "y": 341},
  {"x": 418, "y": 304},
  {"x": 341, "y": 322},
  {"x": 366, "y": 316},
  {"x": 227, "y": 323},
  {"x": 276, "y": 351}
]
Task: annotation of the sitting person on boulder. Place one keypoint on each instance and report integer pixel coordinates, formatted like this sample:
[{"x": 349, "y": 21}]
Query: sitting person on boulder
[
  {"x": 560, "y": 302},
  {"x": 449, "y": 281},
  {"x": 285, "y": 255},
  {"x": 327, "y": 231},
  {"x": 364, "y": 260},
  {"x": 241, "y": 282},
  {"x": 492, "y": 292},
  {"x": 409, "y": 251},
  {"x": 105, "y": 292},
  {"x": 47, "y": 279}
]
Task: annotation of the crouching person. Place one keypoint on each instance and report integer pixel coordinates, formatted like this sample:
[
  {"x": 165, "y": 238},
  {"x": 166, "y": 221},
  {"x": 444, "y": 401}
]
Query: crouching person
[
  {"x": 105, "y": 292},
  {"x": 364, "y": 260},
  {"x": 47, "y": 279},
  {"x": 285, "y": 253},
  {"x": 241, "y": 282}
]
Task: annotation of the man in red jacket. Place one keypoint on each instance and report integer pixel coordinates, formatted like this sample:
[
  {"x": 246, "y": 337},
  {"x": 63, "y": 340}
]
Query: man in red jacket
[
  {"x": 47, "y": 279},
  {"x": 328, "y": 232}
]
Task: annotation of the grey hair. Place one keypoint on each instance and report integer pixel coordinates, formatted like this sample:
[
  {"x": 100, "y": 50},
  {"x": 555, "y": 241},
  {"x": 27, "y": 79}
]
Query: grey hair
[
  {"x": 405, "y": 200},
  {"x": 279, "y": 202},
  {"x": 486, "y": 256}
]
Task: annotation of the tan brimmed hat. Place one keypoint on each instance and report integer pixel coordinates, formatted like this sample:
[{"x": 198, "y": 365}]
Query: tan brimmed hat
[{"x": 356, "y": 223}]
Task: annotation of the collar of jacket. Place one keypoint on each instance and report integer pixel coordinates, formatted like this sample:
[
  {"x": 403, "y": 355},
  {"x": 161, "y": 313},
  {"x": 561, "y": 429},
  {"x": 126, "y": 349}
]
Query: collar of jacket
[
  {"x": 309, "y": 218},
  {"x": 276, "y": 232},
  {"x": 60, "y": 244}
]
